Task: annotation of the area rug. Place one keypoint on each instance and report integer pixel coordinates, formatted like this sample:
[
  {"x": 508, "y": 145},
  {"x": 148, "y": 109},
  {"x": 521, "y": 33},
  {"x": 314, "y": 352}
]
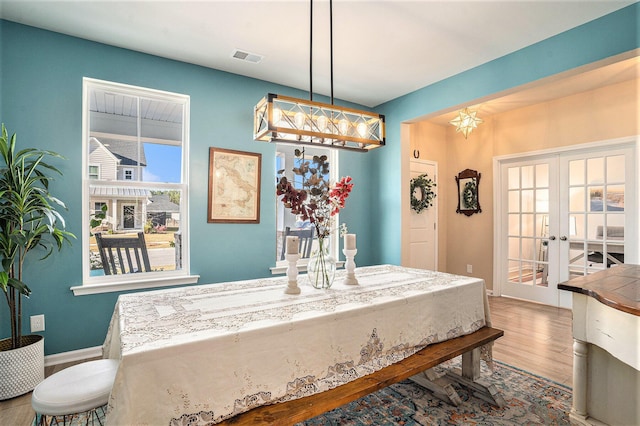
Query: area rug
[{"x": 531, "y": 400}]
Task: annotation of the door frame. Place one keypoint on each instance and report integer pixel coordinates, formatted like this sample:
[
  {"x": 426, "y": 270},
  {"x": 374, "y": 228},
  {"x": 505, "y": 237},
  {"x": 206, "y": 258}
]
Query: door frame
[{"x": 500, "y": 250}]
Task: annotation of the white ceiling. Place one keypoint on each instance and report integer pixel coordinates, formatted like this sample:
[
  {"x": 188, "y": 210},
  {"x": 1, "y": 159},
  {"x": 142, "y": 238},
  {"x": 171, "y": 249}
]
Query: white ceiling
[{"x": 383, "y": 49}]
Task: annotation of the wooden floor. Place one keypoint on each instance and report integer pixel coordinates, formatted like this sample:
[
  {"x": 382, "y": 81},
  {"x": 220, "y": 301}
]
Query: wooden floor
[{"x": 537, "y": 338}]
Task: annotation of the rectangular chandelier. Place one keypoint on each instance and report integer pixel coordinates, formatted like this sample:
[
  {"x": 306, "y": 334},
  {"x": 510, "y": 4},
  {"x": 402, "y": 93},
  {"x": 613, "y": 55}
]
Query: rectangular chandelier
[{"x": 290, "y": 120}]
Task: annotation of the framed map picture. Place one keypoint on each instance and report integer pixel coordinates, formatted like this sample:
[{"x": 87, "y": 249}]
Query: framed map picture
[{"x": 234, "y": 186}]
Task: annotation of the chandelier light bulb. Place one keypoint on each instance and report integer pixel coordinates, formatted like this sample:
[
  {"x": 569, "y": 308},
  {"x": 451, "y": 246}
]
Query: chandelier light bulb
[
  {"x": 298, "y": 120},
  {"x": 343, "y": 126},
  {"x": 277, "y": 115},
  {"x": 362, "y": 129},
  {"x": 322, "y": 122}
]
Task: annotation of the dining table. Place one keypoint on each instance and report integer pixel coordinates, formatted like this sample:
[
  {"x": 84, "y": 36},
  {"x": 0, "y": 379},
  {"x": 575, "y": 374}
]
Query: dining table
[{"x": 201, "y": 354}]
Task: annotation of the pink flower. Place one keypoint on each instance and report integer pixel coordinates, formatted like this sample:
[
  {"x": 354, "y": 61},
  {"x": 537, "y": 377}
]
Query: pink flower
[{"x": 339, "y": 193}]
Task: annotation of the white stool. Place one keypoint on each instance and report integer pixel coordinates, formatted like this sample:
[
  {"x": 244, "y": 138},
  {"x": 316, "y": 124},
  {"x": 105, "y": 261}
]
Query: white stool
[{"x": 75, "y": 394}]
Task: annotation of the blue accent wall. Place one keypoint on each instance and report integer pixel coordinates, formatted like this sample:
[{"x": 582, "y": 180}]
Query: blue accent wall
[{"x": 41, "y": 101}]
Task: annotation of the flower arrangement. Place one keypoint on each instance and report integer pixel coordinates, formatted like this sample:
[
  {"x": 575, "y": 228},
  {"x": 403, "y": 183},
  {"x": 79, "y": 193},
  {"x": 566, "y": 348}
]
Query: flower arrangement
[{"x": 317, "y": 202}]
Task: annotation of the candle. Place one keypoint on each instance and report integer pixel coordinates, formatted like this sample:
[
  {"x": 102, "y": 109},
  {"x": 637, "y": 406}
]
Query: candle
[
  {"x": 292, "y": 244},
  {"x": 350, "y": 241}
]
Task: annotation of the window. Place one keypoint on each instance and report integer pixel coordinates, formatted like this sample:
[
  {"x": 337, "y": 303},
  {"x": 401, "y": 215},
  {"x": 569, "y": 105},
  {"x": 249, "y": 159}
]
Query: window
[
  {"x": 94, "y": 171},
  {"x": 135, "y": 157},
  {"x": 286, "y": 160},
  {"x": 97, "y": 207}
]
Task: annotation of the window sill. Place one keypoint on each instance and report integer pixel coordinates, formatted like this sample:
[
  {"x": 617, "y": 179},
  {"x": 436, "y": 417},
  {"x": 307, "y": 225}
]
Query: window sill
[{"x": 125, "y": 285}]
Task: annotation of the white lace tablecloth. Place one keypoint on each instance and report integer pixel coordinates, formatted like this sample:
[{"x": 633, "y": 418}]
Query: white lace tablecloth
[{"x": 197, "y": 355}]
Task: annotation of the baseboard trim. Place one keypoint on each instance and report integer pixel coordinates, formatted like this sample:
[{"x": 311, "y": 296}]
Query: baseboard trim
[{"x": 73, "y": 356}]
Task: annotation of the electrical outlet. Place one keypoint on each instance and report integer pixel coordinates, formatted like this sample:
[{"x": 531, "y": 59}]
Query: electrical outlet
[
  {"x": 469, "y": 269},
  {"x": 37, "y": 323}
]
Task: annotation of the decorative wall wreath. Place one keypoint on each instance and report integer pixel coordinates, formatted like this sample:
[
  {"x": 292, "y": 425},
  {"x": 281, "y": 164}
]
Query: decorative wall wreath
[
  {"x": 422, "y": 194},
  {"x": 470, "y": 195}
]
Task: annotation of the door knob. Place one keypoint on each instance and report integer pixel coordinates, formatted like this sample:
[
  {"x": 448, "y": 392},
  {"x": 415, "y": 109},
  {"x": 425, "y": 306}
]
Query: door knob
[
  {"x": 552, "y": 238},
  {"x": 563, "y": 238}
]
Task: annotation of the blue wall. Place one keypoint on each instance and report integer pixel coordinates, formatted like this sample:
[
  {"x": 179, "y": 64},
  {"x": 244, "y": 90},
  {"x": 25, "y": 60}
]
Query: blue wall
[{"x": 41, "y": 101}]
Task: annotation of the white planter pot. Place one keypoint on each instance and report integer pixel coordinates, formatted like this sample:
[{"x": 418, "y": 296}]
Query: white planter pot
[{"x": 21, "y": 369}]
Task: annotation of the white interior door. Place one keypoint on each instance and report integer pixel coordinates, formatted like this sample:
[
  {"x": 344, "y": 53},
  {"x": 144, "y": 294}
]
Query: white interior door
[
  {"x": 599, "y": 196},
  {"x": 565, "y": 215},
  {"x": 423, "y": 241},
  {"x": 529, "y": 228}
]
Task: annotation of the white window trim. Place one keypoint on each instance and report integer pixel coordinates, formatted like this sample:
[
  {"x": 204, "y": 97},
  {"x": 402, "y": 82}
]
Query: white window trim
[{"x": 107, "y": 284}]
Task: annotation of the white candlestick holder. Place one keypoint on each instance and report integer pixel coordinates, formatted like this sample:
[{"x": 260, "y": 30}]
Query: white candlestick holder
[
  {"x": 292, "y": 274},
  {"x": 350, "y": 266}
]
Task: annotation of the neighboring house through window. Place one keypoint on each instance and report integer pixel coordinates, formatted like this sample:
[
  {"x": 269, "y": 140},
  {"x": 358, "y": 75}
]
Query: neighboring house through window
[{"x": 135, "y": 149}]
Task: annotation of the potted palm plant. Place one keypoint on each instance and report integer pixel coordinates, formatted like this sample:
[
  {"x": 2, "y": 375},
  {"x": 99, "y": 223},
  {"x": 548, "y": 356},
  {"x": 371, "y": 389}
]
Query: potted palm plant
[{"x": 29, "y": 222}]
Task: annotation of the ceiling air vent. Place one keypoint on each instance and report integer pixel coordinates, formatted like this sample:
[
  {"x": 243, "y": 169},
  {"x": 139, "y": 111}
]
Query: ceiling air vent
[{"x": 246, "y": 56}]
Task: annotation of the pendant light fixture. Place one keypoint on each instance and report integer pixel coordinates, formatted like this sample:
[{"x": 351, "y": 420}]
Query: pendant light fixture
[
  {"x": 285, "y": 119},
  {"x": 466, "y": 121}
]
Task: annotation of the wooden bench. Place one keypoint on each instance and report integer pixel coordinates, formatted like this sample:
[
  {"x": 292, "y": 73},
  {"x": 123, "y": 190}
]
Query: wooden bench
[{"x": 414, "y": 366}]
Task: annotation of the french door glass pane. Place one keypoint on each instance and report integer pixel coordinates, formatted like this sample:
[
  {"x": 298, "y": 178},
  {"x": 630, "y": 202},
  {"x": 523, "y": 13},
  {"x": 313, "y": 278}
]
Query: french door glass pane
[
  {"x": 542, "y": 175},
  {"x": 615, "y": 169},
  {"x": 514, "y": 224},
  {"x": 542, "y": 200},
  {"x": 527, "y": 177},
  {"x": 514, "y": 201},
  {"x": 595, "y": 170},
  {"x": 576, "y": 172},
  {"x": 527, "y": 225},
  {"x": 513, "y": 178},
  {"x": 527, "y": 200},
  {"x": 576, "y": 199}
]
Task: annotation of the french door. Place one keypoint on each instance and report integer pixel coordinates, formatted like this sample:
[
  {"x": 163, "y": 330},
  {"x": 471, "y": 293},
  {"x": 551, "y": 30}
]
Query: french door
[
  {"x": 562, "y": 216},
  {"x": 531, "y": 224}
]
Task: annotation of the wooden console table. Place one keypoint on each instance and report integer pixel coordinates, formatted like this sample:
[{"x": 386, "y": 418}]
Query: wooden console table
[{"x": 606, "y": 348}]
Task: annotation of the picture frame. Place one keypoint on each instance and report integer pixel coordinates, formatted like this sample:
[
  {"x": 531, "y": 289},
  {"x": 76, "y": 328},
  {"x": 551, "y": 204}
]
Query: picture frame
[
  {"x": 234, "y": 186},
  {"x": 468, "y": 196}
]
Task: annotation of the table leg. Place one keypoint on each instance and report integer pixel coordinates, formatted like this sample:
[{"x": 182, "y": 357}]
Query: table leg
[
  {"x": 469, "y": 377},
  {"x": 578, "y": 413}
]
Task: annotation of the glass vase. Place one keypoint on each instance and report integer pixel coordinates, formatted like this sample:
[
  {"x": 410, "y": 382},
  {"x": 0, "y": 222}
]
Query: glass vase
[{"x": 321, "y": 268}]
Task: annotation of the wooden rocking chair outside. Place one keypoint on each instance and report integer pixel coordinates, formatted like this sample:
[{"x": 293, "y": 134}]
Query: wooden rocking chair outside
[
  {"x": 124, "y": 255},
  {"x": 306, "y": 240}
]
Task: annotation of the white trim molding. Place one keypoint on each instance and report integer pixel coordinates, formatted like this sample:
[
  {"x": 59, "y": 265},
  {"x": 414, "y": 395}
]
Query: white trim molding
[{"x": 73, "y": 356}]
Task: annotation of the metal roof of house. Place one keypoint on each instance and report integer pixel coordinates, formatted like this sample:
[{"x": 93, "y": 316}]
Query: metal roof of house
[
  {"x": 161, "y": 203},
  {"x": 107, "y": 191}
]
